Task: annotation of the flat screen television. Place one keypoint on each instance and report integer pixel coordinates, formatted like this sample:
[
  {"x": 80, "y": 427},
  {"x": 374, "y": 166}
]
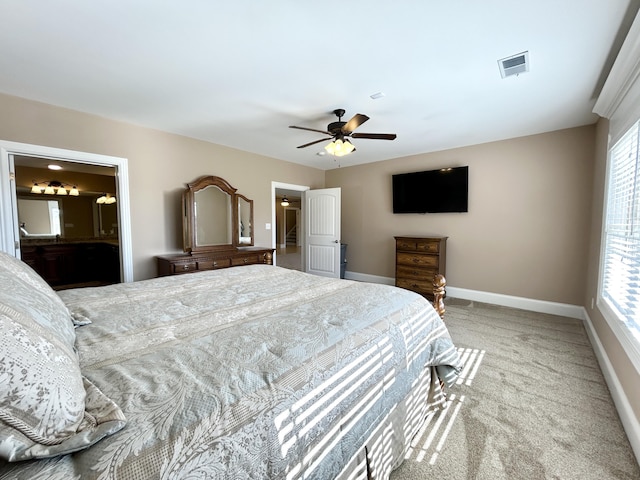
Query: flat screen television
[{"x": 431, "y": 191}]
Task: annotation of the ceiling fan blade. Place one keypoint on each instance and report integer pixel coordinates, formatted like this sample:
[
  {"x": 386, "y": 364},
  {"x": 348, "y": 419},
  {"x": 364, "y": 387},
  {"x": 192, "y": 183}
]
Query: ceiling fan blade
[
  {"x": 375, "y": 136},
  {"x": 313, "y": 143},
  {"x": 357, "y": 120},
  {"x": 311, "y": 129}
]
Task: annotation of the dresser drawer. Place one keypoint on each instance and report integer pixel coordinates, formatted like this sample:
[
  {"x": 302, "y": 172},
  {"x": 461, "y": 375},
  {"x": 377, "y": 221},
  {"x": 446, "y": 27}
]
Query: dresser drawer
[
  {"x": 407, "y": 271},
  {"x": 405, "y": 244},
  {"x": 417, "y": 259},
  {"x": 423, "y": 287},
  {"x": 185, "y": 267},
  {"x": 213, "y": 264},
  {"x": 246, "y": 260},
  {"x": 418, "y": 245},
  {"x": 428, "y": 247}
]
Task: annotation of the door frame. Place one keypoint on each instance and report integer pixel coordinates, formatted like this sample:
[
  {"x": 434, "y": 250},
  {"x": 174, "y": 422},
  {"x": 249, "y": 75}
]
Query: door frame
[
  {"x": 9, "y": 236},
  {"x": 287, "y": 186}
]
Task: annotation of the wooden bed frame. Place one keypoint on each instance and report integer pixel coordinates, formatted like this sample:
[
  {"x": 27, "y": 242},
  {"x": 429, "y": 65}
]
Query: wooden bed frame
[{"x": 439, "y": 283}]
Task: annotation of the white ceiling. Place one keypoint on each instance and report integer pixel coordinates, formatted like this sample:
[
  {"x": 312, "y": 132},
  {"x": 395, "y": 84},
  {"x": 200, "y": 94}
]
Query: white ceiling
[{"x": 239, "y": 72}]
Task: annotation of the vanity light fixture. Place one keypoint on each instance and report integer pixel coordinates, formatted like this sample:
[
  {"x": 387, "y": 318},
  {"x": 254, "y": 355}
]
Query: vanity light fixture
[
  {"x": 54, "y": 187},
  {"x": 106, "y": 199},
  {"x": 285, "y": 201}
]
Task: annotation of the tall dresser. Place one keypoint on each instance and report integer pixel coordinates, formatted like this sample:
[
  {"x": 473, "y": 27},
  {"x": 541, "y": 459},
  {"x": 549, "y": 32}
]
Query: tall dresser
[{"x": 418, "y": 261}]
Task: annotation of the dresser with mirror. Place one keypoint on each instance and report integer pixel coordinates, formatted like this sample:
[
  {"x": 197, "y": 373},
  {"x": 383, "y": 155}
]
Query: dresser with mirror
[{"x": 217, "y": 228}]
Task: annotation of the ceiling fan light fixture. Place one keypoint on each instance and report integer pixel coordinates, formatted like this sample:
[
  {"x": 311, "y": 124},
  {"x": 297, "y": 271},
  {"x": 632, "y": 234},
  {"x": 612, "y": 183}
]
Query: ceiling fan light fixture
[
  {"x": 285, "y": 201},
  {"x": 340, "y": 148}
]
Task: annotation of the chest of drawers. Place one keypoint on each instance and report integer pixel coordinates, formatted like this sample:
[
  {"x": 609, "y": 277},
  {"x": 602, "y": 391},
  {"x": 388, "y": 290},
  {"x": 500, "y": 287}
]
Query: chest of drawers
[
  {"x": 187, "y": 263},
  {"x": 418, "y": 261}
]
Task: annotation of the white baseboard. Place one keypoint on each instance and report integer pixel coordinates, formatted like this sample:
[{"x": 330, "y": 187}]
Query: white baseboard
[
  {"x": 554, "y": 308},
  {"x": 628, "y": 418},
  {"x": 364, "y": 277},
  {"x": 541, "y": 306}
]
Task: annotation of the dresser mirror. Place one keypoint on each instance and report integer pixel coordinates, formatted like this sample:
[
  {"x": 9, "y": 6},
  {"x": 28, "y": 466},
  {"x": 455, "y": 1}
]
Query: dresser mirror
[
  {"x": 208, "y": 215},
  {"x": 245, "y": 220},
  {"x": 215, "y": 216}
]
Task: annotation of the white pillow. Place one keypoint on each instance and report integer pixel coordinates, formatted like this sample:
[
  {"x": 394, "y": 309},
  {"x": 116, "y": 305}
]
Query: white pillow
[{"x": 43, "y": 396}]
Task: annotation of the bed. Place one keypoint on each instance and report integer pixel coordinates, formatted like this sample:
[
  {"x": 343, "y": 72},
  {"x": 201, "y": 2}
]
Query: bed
[{"x": 246, "y": 372}]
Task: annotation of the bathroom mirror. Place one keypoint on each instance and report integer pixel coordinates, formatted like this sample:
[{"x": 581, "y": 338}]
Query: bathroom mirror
[{"x": 39, "y": 218}]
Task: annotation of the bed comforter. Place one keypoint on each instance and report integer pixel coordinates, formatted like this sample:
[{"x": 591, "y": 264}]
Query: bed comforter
[{"x": 249, "y": 372}]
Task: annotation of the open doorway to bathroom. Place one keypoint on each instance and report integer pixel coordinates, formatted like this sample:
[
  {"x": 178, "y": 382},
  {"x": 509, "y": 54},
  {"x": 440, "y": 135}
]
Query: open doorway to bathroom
[
  {"x": 68, "y": 221},
  {"x": 116, "y": 224}
]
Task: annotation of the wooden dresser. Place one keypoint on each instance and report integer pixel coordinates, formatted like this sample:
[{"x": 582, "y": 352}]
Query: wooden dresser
[
  {"x": 418, "y": 261},
  {"x": 187, "y": 263}
]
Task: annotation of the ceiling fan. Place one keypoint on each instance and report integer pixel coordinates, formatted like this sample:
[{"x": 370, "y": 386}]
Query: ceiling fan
[{"x": 339, "y": 131}]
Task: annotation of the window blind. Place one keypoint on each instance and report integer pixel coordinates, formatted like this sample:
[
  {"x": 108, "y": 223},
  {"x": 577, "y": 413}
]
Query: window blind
[{"x": 621, "y": 259}]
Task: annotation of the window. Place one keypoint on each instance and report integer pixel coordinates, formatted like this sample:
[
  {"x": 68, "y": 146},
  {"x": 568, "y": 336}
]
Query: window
[{"x": 620, "y": 274}]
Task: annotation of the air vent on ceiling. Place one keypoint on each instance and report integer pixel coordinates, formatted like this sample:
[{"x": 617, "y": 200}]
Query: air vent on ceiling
[{"x": 514, "y": 65}]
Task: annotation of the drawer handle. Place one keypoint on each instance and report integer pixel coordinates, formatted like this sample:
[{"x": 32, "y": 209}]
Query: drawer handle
[
  {"x": 185, "y": 267},
  {"x": 245, "y": 260},
  {"x": 215, "y": 264}
]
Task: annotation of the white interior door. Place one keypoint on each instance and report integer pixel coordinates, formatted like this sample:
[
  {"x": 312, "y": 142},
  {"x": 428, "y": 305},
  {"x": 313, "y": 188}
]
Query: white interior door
[{"x": 322, "y": 232}]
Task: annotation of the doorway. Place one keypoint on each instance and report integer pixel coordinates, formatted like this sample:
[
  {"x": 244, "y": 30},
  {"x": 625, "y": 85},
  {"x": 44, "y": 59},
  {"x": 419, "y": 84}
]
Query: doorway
[
  {"x": 68, "y": 226},
  {"x": 120, "y": 225},
  {"x": 287, "y": 220}
]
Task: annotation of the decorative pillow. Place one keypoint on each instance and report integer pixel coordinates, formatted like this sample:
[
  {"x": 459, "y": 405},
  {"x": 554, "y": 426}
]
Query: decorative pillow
[
  {"x": 31, "y": 295},
  {"x": 44, "y": 401}
]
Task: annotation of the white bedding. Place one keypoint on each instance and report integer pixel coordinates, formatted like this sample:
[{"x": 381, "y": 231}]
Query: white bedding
[{"x": 249, "y": 372}]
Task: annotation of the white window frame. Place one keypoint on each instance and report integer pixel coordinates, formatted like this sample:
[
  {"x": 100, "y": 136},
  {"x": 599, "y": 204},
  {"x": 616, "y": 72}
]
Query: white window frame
[
  {"x": 619, "y": 101},
  {"x": 615, "y": 319}
]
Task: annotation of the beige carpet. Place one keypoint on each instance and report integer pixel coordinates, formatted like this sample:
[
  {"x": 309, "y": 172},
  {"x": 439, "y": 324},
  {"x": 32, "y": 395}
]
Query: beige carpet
[
  {"x": 531, "y": 404},
  {"x": 292, "y": 261}
]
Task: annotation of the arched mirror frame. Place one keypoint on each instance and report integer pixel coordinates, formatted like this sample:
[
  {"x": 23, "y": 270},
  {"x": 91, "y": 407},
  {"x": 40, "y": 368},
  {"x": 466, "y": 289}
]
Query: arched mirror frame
[
  {"x": 190, "y": 226},
  {"x": 244, "y": 209},
  {"x": 237, "y": 201}
]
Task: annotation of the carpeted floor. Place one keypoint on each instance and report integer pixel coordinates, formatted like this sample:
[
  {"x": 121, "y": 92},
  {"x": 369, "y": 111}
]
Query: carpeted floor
[
  {"x": 290, "y": 258},
  {"x": 531, "y": 404}
]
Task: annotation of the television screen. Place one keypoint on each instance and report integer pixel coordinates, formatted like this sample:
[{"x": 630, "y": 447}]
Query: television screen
[{"x": 432, "y": 191}]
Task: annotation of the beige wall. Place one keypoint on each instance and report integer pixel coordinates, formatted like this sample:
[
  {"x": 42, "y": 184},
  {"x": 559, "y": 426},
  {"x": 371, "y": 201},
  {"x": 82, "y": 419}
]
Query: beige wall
[
  {"x": 526, "y": 232},
  {"x": 160, "y": 164},
  {"x": 530, "y": 228},
  {"x": 627, "y": 375}
]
